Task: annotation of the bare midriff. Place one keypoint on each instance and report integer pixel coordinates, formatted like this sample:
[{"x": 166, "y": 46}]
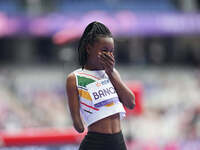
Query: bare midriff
[{"x": 108, "y": 125}]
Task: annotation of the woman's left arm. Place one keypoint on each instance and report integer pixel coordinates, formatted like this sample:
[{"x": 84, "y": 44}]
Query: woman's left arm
[{"x": 124, "y": 93}]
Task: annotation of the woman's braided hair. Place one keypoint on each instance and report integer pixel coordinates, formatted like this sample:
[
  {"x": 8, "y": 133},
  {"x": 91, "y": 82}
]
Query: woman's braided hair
[{"x": 92, "y": 32}]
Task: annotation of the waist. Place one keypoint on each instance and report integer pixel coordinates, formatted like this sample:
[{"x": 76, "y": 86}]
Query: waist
[
  {"x": 105, "y": 138},
  {"x": 92, "y": 133},
  {"x": 108, "y": 125}
]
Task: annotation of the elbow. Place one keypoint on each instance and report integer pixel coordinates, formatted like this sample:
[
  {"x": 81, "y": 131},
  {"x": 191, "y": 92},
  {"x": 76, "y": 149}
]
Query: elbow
[
  {"x": 131, "y": 106},
  {"x": 78, "y": 125},
  {"x": 79, "y": 128},
  {"x": 132, "y": 103}
]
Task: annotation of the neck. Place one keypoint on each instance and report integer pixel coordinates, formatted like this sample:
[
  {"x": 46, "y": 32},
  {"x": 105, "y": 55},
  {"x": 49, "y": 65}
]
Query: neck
[{"x": 92, "y": 67}]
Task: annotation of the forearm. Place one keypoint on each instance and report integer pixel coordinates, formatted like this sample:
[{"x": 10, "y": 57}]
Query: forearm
[{"x": 124, "y": 93}]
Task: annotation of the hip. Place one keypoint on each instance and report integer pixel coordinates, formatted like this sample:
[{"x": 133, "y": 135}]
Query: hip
[{"x": 102, "y": 141}]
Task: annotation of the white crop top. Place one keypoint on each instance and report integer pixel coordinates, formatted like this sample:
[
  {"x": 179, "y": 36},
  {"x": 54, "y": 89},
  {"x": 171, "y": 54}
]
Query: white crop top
[{"x": 97, "y": 96}]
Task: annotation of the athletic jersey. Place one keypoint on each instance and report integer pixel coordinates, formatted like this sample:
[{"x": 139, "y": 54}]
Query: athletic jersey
[{"x": 97, "y": 96}]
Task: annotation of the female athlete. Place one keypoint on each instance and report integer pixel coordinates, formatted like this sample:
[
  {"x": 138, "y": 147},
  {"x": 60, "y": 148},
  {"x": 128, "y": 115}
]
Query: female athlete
[{"x": 96, "y": 93}]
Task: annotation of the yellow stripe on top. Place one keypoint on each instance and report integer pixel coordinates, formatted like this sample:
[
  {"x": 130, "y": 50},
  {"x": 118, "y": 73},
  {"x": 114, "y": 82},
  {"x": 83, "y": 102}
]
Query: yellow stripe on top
[
  {"x": 110, "y": 104},
  {"x": 84, "y": 94}
]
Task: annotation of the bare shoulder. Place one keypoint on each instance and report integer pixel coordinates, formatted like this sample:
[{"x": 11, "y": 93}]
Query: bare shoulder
[
  {"x": 71, "y": 76},
  {"x": 71, "y": 79},
  {"x": 71, "y": 86}
]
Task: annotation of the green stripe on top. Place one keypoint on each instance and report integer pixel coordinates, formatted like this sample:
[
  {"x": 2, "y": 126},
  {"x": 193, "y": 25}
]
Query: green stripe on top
[{"x": 83, "y": 81}]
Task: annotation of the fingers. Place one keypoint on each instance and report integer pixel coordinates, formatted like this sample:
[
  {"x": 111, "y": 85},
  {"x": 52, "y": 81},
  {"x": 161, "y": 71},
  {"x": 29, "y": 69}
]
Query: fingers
[
  {"x": 106, "y": 65},
  {"x": 107, "y": 58},
  {"x": 103, "y": 63},
  {"x": 111, "y": 57},
  {"x": 107, "y": 62}
]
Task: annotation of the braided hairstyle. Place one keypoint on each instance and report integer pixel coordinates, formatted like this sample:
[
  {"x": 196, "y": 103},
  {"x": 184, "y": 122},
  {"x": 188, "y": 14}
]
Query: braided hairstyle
[{"x": 91, "y": 34}]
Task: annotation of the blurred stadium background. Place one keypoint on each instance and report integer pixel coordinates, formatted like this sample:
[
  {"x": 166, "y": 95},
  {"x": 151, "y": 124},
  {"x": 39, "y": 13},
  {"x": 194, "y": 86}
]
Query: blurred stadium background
[{"x": 157, "y": 53}]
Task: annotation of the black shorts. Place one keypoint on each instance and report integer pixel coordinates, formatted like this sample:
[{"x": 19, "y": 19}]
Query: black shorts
[{"x": 101, "y": 141}]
